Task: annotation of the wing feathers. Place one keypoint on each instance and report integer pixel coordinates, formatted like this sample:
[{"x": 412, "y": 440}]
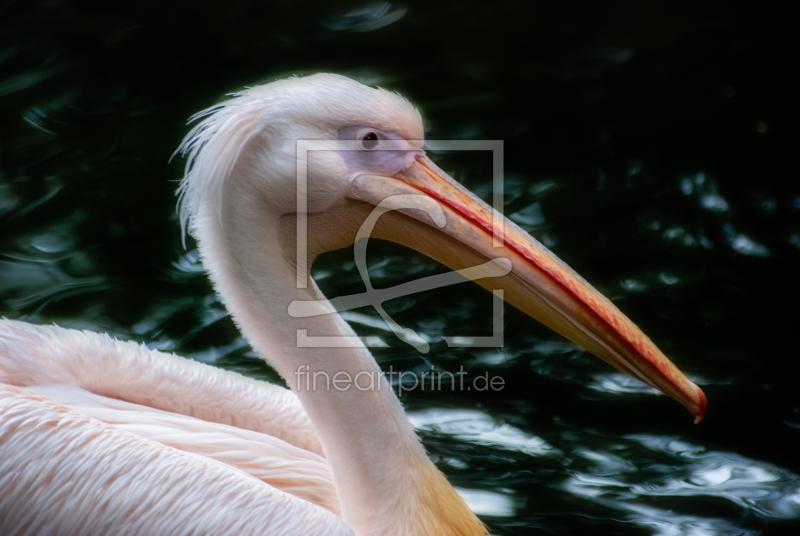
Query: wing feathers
[
  {"x": 46, "y": 355},
  {"x": 65, "y": 473}
]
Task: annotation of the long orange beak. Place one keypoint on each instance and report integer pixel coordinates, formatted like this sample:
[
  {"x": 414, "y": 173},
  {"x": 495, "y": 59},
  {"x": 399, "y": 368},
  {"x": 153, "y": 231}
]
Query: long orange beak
[{"x": 539, "y": 284}]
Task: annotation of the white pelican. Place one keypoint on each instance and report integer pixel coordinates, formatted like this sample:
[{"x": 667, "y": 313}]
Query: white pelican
[{"x": 99, "y": 436}]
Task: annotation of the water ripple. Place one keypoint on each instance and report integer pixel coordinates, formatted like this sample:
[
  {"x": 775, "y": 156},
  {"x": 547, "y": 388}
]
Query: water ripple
[
  {"x": 681, "y": 475},
  {"x": 489, "y": 503},
  {"x": 365, "y": 19},
  {"x": 480, "y": 428},
  {"x": 618, "y": 383},
  {"x": 29, "y": 281}
]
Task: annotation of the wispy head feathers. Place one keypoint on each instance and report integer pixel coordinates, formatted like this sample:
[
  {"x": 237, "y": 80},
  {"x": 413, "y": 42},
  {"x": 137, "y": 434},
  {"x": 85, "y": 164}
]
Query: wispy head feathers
[{"x": 314, "y": 106}]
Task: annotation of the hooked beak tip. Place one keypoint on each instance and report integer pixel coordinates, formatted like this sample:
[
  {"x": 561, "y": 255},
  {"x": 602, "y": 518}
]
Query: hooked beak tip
[{"x": 703, "y": 406}]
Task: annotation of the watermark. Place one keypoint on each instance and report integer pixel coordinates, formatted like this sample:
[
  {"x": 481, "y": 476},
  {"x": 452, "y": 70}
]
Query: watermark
[
  {"x": 376, "y": 297},
  {"x": 401, "y": 381}
]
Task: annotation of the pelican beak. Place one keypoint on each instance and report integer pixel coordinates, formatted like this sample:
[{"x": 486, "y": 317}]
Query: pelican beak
[{"x": 539, "y": 284}]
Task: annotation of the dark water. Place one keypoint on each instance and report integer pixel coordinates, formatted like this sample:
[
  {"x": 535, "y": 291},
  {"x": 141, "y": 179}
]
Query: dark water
[{"x": 651, "y": 145}]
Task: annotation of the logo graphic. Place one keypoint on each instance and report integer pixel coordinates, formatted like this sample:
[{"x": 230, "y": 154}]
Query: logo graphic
[{"x": 376, "y": 297}]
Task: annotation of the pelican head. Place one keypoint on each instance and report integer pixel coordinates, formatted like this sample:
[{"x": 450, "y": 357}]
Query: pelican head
[
  {"x": 258, "y": 131},
  {"x": 239, "y": 198}
]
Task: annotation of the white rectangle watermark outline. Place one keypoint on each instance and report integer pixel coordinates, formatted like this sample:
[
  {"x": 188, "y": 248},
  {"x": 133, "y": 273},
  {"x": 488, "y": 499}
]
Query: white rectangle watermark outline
[{"x": 497, "y": 223}]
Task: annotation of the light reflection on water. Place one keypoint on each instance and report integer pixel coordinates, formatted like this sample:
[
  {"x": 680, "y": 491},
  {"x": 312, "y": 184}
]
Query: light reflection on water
[
  {"x": 620, "y": 384},
  {"x": 480, "y": 428},
  {"x": 489, "y": 503},
  {"x": 709, "y": 198},
  {"x": 372, "y": 16},
  {"x": 761, "y": 488},
  {"x": 681, "y": 475},
  {"x": 33, "y": 282},
  {"x": 653, "y": 481}
]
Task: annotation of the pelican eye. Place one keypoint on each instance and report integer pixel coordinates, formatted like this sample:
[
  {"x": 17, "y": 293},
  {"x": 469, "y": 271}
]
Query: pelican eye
[{"x": 369, "y": 141}]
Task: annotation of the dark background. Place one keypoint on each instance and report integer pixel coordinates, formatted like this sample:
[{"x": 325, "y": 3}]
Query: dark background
[{"x": 652, "y": 145}]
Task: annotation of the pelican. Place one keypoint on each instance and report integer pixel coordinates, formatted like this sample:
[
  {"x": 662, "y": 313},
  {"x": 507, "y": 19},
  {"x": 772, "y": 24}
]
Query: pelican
[{"x": 100, "y": 436}]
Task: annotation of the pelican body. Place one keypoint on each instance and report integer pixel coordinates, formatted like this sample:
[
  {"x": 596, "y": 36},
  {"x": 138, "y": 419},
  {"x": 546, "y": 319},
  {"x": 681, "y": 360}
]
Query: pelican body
[{"x": 99, "y": 436}]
